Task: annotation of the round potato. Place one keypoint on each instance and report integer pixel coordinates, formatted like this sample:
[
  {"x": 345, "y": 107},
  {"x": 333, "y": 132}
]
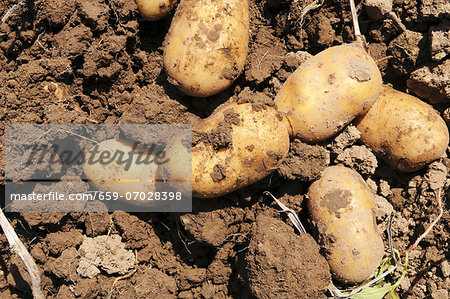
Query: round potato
[
  {"x": 328, "y": 91},
  {"x": 404, "y": 131},
  {"x": 153, "y": 10},
  {"x": 236, "y": 146},
  {"x": 110, "y": 168},
  {"x": 207, "y": 44},
  {"x": 341, "y": 208}
]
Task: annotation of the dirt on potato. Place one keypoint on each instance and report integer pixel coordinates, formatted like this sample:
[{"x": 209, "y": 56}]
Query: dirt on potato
[{"x": 98, "y": 62}]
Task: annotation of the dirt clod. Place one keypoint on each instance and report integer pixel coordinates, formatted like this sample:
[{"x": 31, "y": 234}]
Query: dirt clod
[
  {"x": 219, "y": 173},
  {"x": 359, "y": 158},
  {"x": 304, "y": 162},
  {"x": 347, "y": 137},
  {"x": 276, "y": 251},
  {"x": 264, "y": 59},
  {"x": 105, "y": 253},
  {"x": 434, "y": 8},
  {"x": 440, "y": 40},
  {"x": 431, "y": 82},
  {"x": 377, "y": 9},
  {"x": 213, "y": 227},
  {"x": 409, "y": 50}
]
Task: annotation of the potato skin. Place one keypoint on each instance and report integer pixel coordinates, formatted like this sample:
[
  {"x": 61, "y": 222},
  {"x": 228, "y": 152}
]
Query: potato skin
[
  {"x": 207, "y": 44},
  {"x": 113, "y": 177},
  {"x": 258, "y": 143},
  {"x": 328, "y": 91},
  {"x": 153, "y": 10},
  {"x": 404, "y": 131},
  {"x": 178, "y": 167},
  {"x": 341, "y": 207}
]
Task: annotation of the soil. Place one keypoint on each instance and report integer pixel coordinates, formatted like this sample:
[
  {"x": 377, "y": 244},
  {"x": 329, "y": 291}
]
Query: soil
[
  {"x": 281, "y": 263},
  {"x": 98, "y": 62}
]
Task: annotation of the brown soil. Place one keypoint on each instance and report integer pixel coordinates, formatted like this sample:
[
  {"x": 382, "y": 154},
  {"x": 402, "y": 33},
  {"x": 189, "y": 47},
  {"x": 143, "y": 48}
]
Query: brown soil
[
  {"x": 82, "y": 61},
  {"x": 281, "y": 263}
]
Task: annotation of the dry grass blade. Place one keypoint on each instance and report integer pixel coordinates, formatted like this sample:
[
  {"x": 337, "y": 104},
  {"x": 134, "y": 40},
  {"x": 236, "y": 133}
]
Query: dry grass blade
[
  {"x": 313, "y": 5},
  {"x": 18, "y": 247},
  {"x": 11, "y": 11},
  {"x": 397, "y": 21},
  {"x": 291, "y": 214},
  {"x": 358, "y": 36},
  {"x": 441, "y": 212}
]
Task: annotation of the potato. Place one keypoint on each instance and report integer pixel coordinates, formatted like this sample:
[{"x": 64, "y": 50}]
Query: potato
[
  {"x": 178, "y": 168},
  {"x": 404, "y": 131},
  {"x": 153, "y": 10},
  {"x": 328, "y": 91},
  {"x": 112, "y": 176},
  {"x": 239, "y": 144},
  {"x": 341, "y": 208},
  {"x": 207, "y": 44},
  {"x": 236, "y": 146}
]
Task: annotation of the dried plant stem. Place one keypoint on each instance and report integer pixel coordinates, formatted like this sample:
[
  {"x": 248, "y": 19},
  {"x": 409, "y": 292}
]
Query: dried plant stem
[
  {"x": 441, "y": 212},
  {"x": 391, "y": 247},
  {"x": 358, "y": 36},
  {"x": 18, "y": 248},
  {"x": 11, "y": 11},
  {"x": 379, "y": 61},
  {"x": 291, "y": 213},
  {"x": 397, "y": 21},
  {"x": 129, "y": 274}
]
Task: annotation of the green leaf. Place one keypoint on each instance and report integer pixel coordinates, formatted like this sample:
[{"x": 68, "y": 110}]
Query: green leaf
[
  {"x": 373, "y": 292},
  {"x": 393, "y": 295},
  {"x": 378, "y": 292}
]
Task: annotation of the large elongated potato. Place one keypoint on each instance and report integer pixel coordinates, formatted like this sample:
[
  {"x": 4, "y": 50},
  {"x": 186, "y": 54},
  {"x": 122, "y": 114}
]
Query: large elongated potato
[
  {"x": 110, "y": 169},
  {"x": 153, "y": 10},
  {"x": 237, "y": 145},
  {"x": 328, "y": 91},
  {"x": 207, "y": 44},
  {"x": 341, "y": 207},
  {"x": 406, "y": 132}
]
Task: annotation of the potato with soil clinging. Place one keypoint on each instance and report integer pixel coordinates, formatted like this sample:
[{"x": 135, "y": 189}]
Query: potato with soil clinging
[
  {"x": 236, "y": 146},
  {"x": 153, "y": 10},
  {"x": 341, "y": 208},
  {"x": 109, "y": 170},
  {"x": 406, "y": 132},
  {"x": 328, "y": 91},
  {"x": 239, "y": 144},
  {"x": 207, "y": 44}
]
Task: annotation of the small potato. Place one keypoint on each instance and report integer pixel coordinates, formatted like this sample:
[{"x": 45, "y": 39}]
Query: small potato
[
  {"x": 328, "y": 91},
  {"x": 406, "y": 132},
  {"x": 153, "y": 10},
  {"x": 341, "y": 208},
  {"x": 207, "y": 44},
  {"x": 106, "y": 172},
  {"x": 236, "y": 146}
]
